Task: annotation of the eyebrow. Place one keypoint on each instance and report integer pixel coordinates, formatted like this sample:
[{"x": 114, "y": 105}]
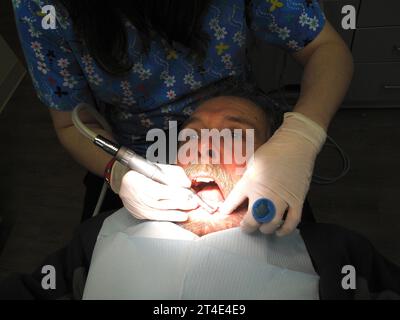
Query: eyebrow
[
  {"x": 236, "y": 119},
  {"x": 241, "y": 121}
]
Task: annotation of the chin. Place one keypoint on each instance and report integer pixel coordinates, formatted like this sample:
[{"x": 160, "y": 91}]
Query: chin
[
  {"x": 212, "y": 187},
  {"x": 200, "y": 222}
]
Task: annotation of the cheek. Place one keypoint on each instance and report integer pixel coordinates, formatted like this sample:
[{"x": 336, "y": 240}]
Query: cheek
[
  {"x": 236, "y": 163},
  {"x": 234, "y": 170},
  {"x": 187, "y": 153}
]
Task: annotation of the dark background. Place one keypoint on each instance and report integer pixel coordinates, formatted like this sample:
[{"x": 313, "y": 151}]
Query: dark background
[{"x": 41, "y": 189}]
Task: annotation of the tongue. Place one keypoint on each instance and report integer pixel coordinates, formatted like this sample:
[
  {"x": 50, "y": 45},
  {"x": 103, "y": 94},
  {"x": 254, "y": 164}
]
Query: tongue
[{"x": 211, "y": 194}]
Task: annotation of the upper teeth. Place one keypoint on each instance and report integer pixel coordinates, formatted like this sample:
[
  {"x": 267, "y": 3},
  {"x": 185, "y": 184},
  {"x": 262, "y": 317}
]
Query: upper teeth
[{"x": 203, "y": 179}]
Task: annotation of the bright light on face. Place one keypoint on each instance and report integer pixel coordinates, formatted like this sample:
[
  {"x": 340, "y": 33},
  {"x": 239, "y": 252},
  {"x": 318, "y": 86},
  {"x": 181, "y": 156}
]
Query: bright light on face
[{"x": 212, "y": 181}]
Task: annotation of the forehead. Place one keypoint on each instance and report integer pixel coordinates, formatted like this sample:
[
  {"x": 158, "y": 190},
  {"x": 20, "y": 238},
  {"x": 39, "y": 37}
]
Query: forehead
[{"x": 226, "y": 107}]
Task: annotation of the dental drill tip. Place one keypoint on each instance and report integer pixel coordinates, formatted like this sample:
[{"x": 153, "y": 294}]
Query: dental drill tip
[
  {"x": 203, "y": 204},
  {"x": 209, "y": 208},
  {"x": 206, "y": 206}
]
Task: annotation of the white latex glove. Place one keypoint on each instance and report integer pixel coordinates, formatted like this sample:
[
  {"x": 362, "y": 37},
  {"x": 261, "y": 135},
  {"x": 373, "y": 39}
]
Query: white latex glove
[
  {"x": 280, "y": 171},
  {"x": 145, "y": 198}
]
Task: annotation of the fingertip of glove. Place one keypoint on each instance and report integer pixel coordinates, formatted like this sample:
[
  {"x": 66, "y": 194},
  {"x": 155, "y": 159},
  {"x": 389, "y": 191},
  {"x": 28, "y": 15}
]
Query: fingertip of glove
[
  {"x": 225, "y": 208},
  {"x": 179, "y": 217},
  {"x": 247, "y": 228}
]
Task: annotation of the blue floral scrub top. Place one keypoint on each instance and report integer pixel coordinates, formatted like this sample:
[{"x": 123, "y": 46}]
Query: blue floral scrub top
[{"x": 165, "y": 85}]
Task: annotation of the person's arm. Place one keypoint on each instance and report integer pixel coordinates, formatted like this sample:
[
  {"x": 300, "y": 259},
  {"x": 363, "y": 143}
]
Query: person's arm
[
  {"x": 81, "y": 148},
  {"x": 60, "y": 82},
  {"x": 328, "y": 69},
  {"x": 282, "y": 168},
  {"x": 300, "y": 28}
]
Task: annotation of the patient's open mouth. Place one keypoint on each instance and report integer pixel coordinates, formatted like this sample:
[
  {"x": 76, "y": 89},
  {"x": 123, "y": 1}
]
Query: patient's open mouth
[
  {"x": 213, "y": 186},
  {"x": 207, "y": 188}
]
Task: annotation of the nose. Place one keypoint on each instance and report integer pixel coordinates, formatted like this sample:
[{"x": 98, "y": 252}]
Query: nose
[{"x": 208, "y": 152}]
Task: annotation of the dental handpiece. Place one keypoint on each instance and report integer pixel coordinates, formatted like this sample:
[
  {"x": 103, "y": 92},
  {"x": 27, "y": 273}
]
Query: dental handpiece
[{"x": 141, "y": 165}]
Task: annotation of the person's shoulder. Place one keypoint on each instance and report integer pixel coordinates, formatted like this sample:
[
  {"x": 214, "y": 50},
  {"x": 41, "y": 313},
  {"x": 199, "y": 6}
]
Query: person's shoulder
[
  {"x": 276, "y": 7},
  {"x": 31, "y": 15},
  {"x": 35, "y": 10},
  {"x": 32, "y": 7}
]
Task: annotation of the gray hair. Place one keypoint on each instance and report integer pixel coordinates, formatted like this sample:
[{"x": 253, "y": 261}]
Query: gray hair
[{"x": 247, "y": 89}]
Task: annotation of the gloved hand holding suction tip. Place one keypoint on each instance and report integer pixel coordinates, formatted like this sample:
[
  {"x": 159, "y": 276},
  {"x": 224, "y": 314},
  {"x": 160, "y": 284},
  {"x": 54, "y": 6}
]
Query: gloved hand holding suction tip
[{"x": 276, "y": 182}]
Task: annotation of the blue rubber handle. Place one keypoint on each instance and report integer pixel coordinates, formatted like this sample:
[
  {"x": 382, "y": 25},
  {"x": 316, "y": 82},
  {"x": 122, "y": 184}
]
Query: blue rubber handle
[{"x": 263, "y": 210}]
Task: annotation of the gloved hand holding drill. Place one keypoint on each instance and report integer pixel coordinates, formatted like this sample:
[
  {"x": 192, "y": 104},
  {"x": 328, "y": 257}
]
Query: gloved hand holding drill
[{"x": 149, "y": 199}]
